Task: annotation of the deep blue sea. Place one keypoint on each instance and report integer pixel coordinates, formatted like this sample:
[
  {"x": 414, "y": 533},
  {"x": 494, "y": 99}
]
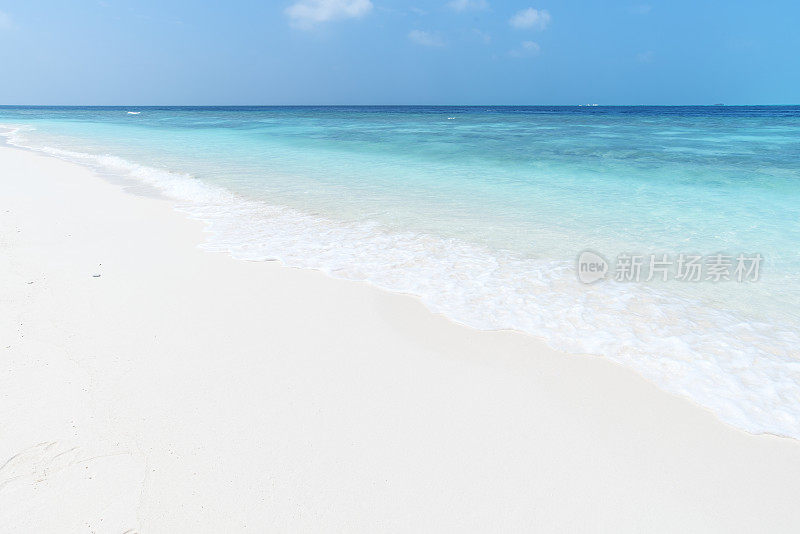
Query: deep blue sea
[{"x": 482, "y": 212}]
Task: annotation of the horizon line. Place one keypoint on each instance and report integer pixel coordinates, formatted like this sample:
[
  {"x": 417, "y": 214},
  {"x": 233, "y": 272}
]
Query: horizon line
[{"x": 381, "y": 105}]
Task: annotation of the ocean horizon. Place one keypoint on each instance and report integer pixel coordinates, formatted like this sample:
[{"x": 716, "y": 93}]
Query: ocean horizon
[{"x": 484, "y": 212}]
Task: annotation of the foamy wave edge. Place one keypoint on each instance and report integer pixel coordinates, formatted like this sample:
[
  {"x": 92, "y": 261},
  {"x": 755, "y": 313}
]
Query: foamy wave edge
[{"x": 744, "y": 372}]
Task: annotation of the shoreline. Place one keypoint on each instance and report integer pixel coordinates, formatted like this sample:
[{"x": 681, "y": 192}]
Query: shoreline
[
  {"x": 737, "y": 366},
  {"x": 183, "y": 389}
]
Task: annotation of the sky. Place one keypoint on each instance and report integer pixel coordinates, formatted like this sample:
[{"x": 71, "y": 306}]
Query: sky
[{"x": 373, "y": 52}]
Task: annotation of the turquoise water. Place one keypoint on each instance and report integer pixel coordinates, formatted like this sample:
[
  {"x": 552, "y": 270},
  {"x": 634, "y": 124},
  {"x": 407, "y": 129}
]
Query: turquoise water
[{"x": 483, "y": 211}]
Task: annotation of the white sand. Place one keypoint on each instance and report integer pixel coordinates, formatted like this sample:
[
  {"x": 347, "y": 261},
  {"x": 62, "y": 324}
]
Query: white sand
[{"x": 184, "y": 391}]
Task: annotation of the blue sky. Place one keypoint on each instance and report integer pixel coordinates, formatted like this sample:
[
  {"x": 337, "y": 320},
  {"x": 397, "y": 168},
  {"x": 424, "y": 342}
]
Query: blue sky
[{"x": 391, "y": 52}]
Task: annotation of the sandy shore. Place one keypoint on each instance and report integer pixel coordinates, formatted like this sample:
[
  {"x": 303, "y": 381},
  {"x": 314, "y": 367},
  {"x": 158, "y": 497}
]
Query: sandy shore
[{"x": 184, "y": 391}]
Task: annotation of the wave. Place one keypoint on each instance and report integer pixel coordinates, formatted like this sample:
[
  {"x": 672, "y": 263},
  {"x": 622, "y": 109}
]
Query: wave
[{"x": 746, "y": 372}]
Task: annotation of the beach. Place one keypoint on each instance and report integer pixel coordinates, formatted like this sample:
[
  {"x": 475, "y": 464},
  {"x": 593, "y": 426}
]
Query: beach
[
  {"x": 152, "y": 386},
  {"x": 483, "y": 217}
]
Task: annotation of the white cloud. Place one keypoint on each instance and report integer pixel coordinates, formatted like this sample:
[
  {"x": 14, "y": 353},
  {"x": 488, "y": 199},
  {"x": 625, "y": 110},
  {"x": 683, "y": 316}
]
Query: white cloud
[
  {"x": 425, "y": 38},
  {"x": 526, "y": 49},
  {"x": 641, "y": 9},
  {"x": 308, "y": 13},
  {"x": 5, "y": 21},
  {"x": 468, "y": 5},
  {"x": 530, "y": 18},
  {"x": 645, "y": 57}
]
